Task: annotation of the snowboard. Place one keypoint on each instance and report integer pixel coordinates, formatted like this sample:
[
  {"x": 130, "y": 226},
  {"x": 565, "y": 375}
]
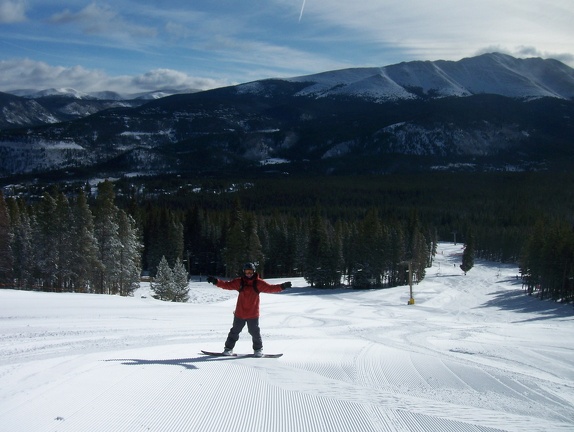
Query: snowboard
[{"x": 218, "y": 354}]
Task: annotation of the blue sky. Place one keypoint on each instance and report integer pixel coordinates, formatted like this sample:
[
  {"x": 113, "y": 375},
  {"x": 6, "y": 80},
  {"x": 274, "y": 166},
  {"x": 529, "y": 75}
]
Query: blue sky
[{"x": 131, "y": 46}]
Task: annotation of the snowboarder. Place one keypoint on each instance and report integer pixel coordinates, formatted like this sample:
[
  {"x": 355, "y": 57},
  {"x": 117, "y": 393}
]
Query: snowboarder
[{"x": 249, "y": 286}]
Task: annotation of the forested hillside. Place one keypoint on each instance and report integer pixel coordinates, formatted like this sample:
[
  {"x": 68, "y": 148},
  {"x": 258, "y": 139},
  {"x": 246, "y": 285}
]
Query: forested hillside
[{"x": 358, "y": 230}]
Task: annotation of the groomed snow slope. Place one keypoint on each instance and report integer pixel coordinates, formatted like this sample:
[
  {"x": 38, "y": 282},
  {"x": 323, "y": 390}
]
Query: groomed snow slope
[{"x": 473, "y": 354}]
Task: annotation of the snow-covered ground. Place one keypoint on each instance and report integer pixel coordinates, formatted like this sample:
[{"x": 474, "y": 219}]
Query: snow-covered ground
[{"x": 472, "y": 354}]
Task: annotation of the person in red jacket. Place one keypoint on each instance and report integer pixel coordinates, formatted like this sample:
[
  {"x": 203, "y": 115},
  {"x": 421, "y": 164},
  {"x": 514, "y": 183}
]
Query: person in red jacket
[{"x": 249, "y": 286}]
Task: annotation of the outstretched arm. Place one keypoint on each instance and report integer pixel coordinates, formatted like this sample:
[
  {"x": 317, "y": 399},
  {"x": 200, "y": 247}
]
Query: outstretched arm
[
  {"x": 228, "y": 285},
  {"x": 268, "y": 288}
]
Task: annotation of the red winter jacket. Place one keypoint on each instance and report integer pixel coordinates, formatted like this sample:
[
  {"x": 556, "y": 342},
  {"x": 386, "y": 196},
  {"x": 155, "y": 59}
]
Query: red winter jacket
[{"x": 248, "y": 300}]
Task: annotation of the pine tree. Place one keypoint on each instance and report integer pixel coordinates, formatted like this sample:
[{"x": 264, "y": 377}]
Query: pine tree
[
  {"x": 292, "y": 248},
  {"x": 254, "y": 250},
  {"x": 369, "y": 245},
  {"x": 45, "y": 243},
  {"x": 418, "y": 249},
  {"x": 106, "y": 231},
  {"x": 557, "y": 258},
  {"x": 62, "y": 221},
  {"x": 162, "y": 284},
  {"x": 323, "y": 256},
  {"x": 236, "y": 246},
  {"x": 130, "y": 255},
  {"x": 164, "y": 237},
  {"x": 175, "y": 238},
  {"x": 531, "y": 262},
  {"x": 180, "y": 284},
  {"x": 433, "y": 236},
  {"x": 350, "y": 249},
  {"x": 85, "y": 263},
  {"x": 395, "y": 256},
  {"x": 193, "y": 241},
  {"x": 22, "y": 239},
  {"x": 316, "y": 245},
  {"x": 6, "y": 256},
  {"x": 420, "y": 255}
]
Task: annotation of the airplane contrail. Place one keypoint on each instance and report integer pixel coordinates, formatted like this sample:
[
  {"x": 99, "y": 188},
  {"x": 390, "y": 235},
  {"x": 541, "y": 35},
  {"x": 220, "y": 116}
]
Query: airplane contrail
[{"x": 302, "y": 7}]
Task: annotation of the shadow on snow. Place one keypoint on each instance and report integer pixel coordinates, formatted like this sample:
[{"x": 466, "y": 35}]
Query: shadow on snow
[
  {"x": 518, "y": 301},
  {"x": 188, "y": 363}
]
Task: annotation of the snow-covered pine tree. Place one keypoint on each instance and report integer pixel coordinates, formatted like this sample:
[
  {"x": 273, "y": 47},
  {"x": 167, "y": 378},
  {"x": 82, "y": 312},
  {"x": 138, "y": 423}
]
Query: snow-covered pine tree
[
  {"x": 180, "y": 285},
  {"x": 85, "y": 263},
  {"x": 109, "y": 246},
  {"x": 162, "y": 283},
  {"x": 130, "y": 253}
]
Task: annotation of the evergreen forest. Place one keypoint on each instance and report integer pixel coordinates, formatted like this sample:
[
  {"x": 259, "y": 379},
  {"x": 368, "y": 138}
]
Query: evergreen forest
[{"x": 358, "y": 231}]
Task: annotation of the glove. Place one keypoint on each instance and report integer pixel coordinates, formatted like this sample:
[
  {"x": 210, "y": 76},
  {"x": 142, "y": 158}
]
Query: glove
[
  {"x": 212, "y": 280},
  {"x": 286, "y": 285}
]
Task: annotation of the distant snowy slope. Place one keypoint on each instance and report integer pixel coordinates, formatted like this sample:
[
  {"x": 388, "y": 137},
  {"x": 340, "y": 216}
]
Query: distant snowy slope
[
  {"x": 489, "y": 73},
  {"x": 69, "y": 92},
  {"x": 101, "y": 95}
]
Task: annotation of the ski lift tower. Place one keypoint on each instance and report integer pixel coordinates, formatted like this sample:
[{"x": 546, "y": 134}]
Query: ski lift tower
[{"x": 411, "y": 298}]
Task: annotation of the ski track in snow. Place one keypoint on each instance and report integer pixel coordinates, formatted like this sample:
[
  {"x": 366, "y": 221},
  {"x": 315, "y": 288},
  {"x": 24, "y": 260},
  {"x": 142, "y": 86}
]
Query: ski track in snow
[{"x": 474, "y": 354}]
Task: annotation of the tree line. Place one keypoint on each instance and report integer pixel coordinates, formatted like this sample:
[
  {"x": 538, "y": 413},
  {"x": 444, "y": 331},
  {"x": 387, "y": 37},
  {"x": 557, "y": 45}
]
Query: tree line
[
  {"x": 360, "y": 231},
  {"x": 363, "y": 253},
  {"x": 68, "y": 246},
  {"x": 57, "y": 244},
  {"x": 497, "y": 216},
  {"x": 547, "y": 261}
]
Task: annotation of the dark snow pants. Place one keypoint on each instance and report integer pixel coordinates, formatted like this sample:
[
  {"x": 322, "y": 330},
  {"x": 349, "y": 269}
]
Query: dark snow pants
[{"x": 252, "y": 327}]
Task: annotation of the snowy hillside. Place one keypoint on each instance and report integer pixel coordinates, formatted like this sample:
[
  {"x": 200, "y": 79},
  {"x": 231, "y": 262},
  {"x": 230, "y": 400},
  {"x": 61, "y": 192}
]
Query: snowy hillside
[
  {"x": 486, "y": 74},
  {"x": 472, "y": 354}
]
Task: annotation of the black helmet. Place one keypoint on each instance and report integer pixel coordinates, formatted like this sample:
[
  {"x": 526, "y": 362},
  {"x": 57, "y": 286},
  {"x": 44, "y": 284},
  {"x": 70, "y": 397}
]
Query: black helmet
[{"x": 249, "y": 266}]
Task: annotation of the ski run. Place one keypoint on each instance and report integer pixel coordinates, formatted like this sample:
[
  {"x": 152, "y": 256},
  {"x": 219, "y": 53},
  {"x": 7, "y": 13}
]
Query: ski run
[{"x": 473, "y": 354}]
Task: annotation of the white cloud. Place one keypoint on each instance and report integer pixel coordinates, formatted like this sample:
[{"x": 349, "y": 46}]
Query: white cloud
[
  {"x": 448, "y": 29},
  {"x": 30, "y": 74},
  {"x": 102, "y": 20},
  {"x": 167, "y": 78},
  {"x": 523, "y": 51},
  {"x": 12, "y": 11}
]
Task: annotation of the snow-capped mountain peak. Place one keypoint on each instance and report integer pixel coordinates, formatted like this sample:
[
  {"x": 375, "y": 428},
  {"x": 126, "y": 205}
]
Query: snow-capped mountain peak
[
  {"x": 493, "y": 73},
  {"x": 67, "y": 92}
]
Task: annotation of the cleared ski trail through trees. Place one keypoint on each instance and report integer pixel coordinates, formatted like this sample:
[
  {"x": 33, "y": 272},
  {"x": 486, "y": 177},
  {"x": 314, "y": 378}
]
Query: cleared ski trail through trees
[{"x": 473, "y": 354}]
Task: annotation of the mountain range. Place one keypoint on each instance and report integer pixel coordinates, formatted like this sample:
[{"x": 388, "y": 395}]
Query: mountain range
[{"x": 490, "y": 112}]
